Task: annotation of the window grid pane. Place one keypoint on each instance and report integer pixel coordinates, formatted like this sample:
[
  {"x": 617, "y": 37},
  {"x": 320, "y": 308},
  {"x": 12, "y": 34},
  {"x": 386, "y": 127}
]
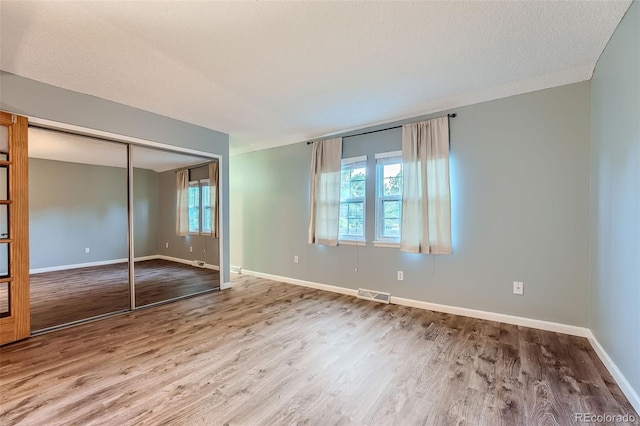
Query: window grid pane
[
  {"x": 391, "y": 228},
  {"x": 356, "y": 210},
  {"x": 194, "y": 208},
  {"x": 391, "y": 209},
  {"x": 206, "y": 219},
  {"x": 389, "y": 199},
  {"x": 352, "y": 201},
  {"x": 205, "y": 191}
]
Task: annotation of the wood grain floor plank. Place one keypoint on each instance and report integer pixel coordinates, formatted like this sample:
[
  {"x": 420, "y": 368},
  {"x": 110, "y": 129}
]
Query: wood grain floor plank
[{"x": 267, "y": 353}]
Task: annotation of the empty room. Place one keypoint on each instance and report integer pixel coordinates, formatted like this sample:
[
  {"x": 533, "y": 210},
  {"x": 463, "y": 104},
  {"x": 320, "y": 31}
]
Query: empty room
[{"x": 354, "y": 213}]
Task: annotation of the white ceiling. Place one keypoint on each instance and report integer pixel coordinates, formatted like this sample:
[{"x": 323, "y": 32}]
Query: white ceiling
[
  {"x": 272, "y": 73},
  {"x": 60, "y": 146}
]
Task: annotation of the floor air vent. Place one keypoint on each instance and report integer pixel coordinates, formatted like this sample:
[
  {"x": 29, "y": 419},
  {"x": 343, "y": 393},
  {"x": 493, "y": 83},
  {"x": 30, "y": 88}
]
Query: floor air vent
[
  {"x": 199, "y": 263},
  {"x": 376, "y": 296}
]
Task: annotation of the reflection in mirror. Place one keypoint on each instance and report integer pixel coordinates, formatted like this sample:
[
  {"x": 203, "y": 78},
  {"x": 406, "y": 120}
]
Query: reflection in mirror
[
  {"x": 4, "y": 142},
  {"x": 4, "y": 222},
  {"x": 4, "y": 260},
  {"x": 4, "y": 183},
  {"x": 176, "y": 243},
  {"x": 5, "y": 308},
  {"x": 78, "y": 228},
  {"x": 4, "y": 209}
]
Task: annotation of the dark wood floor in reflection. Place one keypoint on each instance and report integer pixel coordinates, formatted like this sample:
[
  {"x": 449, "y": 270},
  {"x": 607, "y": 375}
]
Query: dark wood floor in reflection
[{"x": 64, "y": 296}]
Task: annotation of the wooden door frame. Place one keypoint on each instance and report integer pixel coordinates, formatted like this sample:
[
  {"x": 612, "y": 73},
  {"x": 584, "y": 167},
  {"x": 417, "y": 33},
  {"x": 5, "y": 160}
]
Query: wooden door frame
[{"x": 17, "y": 325}]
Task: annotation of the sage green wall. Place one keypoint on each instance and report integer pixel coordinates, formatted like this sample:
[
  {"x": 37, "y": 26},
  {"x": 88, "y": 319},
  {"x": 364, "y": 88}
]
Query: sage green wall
[
  {"x": 520, "y": 212},
  {"x": 614, "y": 314},
  {"x": 32, "y": 98}
]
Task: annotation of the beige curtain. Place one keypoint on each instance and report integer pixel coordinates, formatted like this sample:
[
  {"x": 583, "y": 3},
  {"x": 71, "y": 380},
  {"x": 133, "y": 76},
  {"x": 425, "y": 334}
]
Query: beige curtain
[
  {"x": 426, "y": 199},
  {"x": 214, "y": 178},
  {"x": 325, "y": 192},
  {"x": 182, "y": 202}
]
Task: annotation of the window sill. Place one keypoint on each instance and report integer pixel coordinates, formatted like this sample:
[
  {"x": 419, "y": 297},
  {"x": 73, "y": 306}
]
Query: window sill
[
  {"x": 386, "y": 244},
  {"x": 351, "y": 243}
]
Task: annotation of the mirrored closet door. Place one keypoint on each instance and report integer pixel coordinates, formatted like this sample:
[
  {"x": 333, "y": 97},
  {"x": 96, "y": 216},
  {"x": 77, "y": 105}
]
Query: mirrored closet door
[
  {"x": 78, "y": 222},
  {"x": 115, "y": 226},
  {"x": 175, "y": 212}
]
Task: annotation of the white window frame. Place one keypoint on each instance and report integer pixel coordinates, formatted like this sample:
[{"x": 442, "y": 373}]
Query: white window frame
[
  {"x": 382, "y": 159},
  {"x": 350, "y": 164},
  {"x": 199, "y": 184}
]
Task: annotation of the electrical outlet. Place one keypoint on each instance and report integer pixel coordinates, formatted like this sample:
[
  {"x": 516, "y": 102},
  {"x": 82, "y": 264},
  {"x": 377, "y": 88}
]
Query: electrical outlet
[
  {"x": 400, "y": 275},
  {"x": 190, "y": 249},
  {"x": 295, "y": 259},
  {"x": 87, "y": 250},
  {"x": 518, "y": 288},
  {"x": 166, "y": 245}
]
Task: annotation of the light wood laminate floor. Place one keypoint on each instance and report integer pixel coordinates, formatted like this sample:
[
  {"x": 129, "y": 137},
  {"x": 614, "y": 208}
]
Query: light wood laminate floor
[
  {"x": 266, "y": 353},
  {"x": 62, "y": 297}
]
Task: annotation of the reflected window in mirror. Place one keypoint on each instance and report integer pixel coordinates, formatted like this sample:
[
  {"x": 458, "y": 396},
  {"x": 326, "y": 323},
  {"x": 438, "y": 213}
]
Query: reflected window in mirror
[{"x": 199, "y": 197}]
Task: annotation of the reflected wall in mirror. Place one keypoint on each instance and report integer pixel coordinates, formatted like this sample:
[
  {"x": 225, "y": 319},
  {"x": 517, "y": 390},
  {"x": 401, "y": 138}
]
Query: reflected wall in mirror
[
  {"x": 169, "y": 265},
  {"x": 4, "y": 260},
  {"x": 4, "y": 208},
  {"x": 78, "y": 228},
  {"x": 4, "y": 142},
  {"x": 5, "y": 309}
]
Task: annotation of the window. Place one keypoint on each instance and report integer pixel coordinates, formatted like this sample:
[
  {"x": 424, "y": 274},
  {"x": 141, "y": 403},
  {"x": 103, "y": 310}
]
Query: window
[
  {"x": 352, "y": 199},
  {"x": 205, "y": 191},
  {"x": 388, "y": 197},
  {"x": 194, "y": 207},
  {"x": 199, "y": 200}
]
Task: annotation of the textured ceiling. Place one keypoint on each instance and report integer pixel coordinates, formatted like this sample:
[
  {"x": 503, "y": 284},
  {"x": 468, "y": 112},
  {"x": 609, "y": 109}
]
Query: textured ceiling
[
  {"x": 60, "y": 146},
  {"x": 272, "y": 73}
]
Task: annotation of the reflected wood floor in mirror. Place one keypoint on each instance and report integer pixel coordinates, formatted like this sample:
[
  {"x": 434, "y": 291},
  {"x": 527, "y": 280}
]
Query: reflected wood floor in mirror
[
  {"x": 266, "y": 353},
  {"x": 61, "y": 297}
]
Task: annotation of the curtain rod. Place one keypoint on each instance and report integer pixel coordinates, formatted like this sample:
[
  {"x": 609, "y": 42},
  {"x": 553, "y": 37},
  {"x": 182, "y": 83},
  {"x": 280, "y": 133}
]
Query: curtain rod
[
  {"x": 452, "y": 115},
  {"x": 195, "y": 166}
]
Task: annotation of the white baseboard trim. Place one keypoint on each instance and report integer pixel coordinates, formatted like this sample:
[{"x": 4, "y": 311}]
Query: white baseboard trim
[
  {"x": 76, "y": 266},
  {"x": 615, "y": 372},
  {"x": 303, "y": 283},
  {"x": 114, "y": 261},
  {"x": 224, "y": 286},
  {"x": 143, "y": 258},
  {"x": 187, "y": 262},
  {"x": 473, "y": 313},
  {"x": 493, "y": 316}
]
